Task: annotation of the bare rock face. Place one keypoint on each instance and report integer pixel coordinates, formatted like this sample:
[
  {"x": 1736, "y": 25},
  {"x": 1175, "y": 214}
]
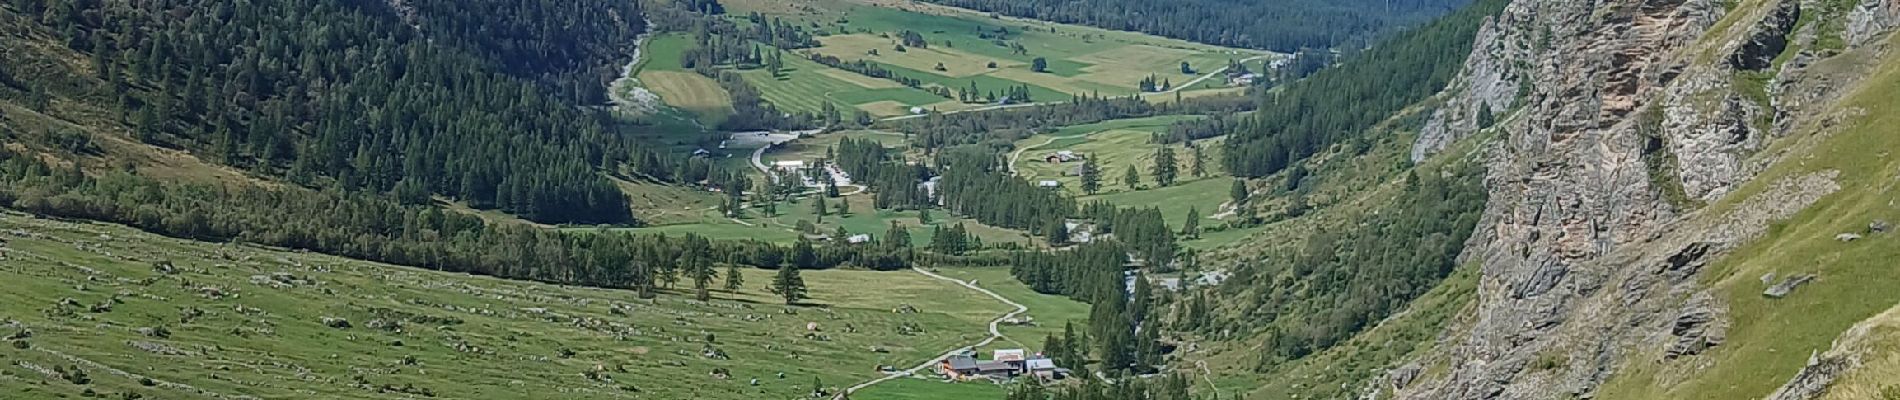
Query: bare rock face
[
  {"x": 1871, "y": 19},
  {"x": 1491, "y": 83},
  {"x": 1589, "y": 249}
]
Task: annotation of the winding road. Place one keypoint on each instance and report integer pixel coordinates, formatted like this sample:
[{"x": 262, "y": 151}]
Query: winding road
[{"x": 994, "y": 333}]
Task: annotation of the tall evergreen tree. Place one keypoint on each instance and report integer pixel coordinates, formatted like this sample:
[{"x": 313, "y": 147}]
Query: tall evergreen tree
[
  {"x": 1199, "y": 168},
  {"x": 1191, "y": 227},
  {"x": 735, "y": 279},
  {"x": 1131, "y": 178},
  {"x": 789, "y": 285},
  {"x": 1166, "y": 168},
  {"x": 1091, "y": 175}
]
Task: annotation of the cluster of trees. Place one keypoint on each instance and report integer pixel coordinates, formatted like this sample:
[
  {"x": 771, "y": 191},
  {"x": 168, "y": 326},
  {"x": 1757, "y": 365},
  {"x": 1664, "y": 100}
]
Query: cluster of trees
[
  {"x": 1339, "y": 104},
  {"x": 1143, "y": 232},
  {"x": 1342, "y": 282},
  {"x": 1153, "y": 83},
  {"x": 999, "y": 128},
  {"x": 455, "y": 104},
  {"x": 866, "y": 68},
  {"x": 975, "y": 185},
  {"x": 1282, "y": 26},
  {"x": 910, "y": 38},
  {"x": 1123, "y": 327},
  {"x": 1013, "y": 94},
  {"x": 954, "y": 241},
  {"x": 894, "y": 183},
  {"x": 1191, "y": 130},
  {"x": 778, "y": 33}
]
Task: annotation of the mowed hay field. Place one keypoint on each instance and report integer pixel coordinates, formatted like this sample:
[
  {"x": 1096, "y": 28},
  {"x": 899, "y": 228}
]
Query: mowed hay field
[
  {"x": 86, "y": 310},
  {"x": 1081, "y": 60},
  {"x": 804, "y": 86},
  {"x": 685, "y": 90}
]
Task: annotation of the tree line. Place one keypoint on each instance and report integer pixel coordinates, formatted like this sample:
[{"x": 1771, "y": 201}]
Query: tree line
[
  {"x": 1283, "y": 26},
  {"x": 998, "y": 128}
]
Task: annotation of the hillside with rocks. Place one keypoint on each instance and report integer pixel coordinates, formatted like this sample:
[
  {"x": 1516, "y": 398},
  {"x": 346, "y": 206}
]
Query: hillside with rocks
[{"x": 1687, "y": 199}]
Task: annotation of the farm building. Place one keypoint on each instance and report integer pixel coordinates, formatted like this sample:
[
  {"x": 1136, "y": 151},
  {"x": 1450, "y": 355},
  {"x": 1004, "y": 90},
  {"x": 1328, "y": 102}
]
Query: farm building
[
  {"x": 1061, "y": 157},
  {"x": 1049, "y": 184},
  {"x": 1003, "y": 364}
]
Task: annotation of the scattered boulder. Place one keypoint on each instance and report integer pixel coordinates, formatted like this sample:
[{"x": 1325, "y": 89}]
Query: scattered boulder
[
  {"x": 157, "y": 348},
  {"x": 1879, "y": 226},
  {"x": 1847, "y": 237},
  {"x": 334, "y": 322},
  {"x": 1403, "y": 376},
  {"x": 1695, "y": 330},
  {"x": 1787, "y": 286},
  {"x": 155, "y": 332}
]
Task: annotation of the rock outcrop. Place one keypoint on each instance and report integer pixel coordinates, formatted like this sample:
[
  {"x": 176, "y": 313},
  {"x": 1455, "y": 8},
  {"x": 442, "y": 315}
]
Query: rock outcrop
[{"x": 1633, "y": 113}]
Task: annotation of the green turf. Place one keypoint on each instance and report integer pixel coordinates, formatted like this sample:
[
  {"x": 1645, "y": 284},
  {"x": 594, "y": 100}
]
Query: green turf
[
  {"x": 801, "y": 88},
  {"x": 930, "y": 389},
  {"x": 265, "y": 340},
  {"x": 984, "y": 83},
  {"x": 1080, "y": 60},
  {"x": 908, "y": 96}
]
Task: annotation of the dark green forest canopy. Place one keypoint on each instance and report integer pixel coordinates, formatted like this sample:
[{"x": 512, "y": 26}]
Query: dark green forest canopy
[
  {"x": 1339, "y": 104},
  {"x": 1279, "y": 25},
  {"x": 419, "y": 98}
]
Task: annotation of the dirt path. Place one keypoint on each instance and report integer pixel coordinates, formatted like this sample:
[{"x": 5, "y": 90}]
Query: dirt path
[{"x": 994, "y": 334}]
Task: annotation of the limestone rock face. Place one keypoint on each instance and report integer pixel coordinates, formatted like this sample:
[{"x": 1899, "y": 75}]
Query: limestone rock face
[
  {"x": 1624, "y": 117},
  {"x": 1871, "y": 19}
]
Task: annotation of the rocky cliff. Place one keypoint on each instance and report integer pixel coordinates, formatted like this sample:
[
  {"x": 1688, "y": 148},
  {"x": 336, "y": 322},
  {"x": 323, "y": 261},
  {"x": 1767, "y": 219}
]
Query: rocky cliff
[{"x": 1626, "y": 130}]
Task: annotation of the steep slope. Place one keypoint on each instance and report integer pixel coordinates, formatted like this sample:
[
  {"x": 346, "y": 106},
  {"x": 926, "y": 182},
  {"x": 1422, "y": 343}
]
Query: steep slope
[{"x": 1662, "y": 156}]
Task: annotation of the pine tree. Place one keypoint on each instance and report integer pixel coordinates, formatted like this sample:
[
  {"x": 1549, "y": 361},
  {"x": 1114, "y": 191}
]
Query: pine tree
[
  {"x": 844, "y": 207},
  {"x": 923, "y": 216},
  {"x": 1199, "y": 168},
  {"x": 735, "y": 280},
  {"x": 788, "y": 284},
  {"x": 1191, "y": 227},
  {"x": 1485, "y": 118},
  {"x": 897, "y": 239},
  {"x": 840, "y": 236},
  {"x": 1091, "y": 176},
  {"x": 1131, "y": 178},
  {"x": 818, "y": 208},
  {"x": 1056, "y": 231},
  {"x": 1238, "y": 193},
  {"x": 1166, "y": 168}
]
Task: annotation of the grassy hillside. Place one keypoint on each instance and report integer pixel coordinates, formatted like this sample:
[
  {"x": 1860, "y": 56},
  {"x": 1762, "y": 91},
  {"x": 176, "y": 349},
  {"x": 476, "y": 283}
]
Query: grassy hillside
[
  {"x": 1771, "y": 339},
  {"x": 166, "y": 318}
]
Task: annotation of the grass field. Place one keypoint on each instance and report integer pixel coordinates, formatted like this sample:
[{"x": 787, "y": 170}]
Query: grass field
[
  {"x": 239, "y": 320},
  {"x": 1116, "y": 145},
  {"x": 1049, "y": 313},
  {"x": 685, "y": 90},
  {"x": 1081, "y": 60},
  {"x": 804, "y": 86}
]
